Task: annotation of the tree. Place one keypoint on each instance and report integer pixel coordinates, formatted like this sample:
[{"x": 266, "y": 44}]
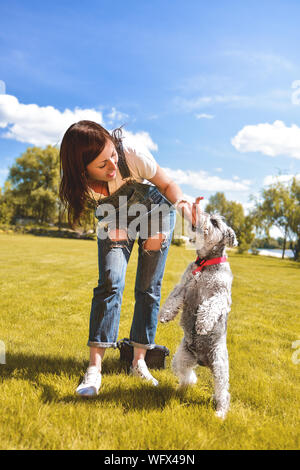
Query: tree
[
  {"x": 280, "y": 207},
  {"x": 295, "y": 217},
  {"x": 34, "y": 180},
  {"x": 217, "y": 203},
  {"x": 7, "y": 206},
  {"x": 234, "y": 216}
]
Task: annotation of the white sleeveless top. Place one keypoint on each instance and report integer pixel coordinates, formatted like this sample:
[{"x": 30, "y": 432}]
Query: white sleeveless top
[{"x": 141, "y": 164}]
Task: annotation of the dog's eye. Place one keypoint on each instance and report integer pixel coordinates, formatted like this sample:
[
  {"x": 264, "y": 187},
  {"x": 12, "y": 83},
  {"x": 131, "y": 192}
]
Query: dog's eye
[{"x": 214, "y": 222}]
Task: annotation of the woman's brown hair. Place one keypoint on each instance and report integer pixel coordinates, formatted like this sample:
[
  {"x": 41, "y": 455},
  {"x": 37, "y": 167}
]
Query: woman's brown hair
[{"x": 81, "y": 144}]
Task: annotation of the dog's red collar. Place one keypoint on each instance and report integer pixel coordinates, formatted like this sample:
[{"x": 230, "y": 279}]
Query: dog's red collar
[{"x": 201, "y": 263}]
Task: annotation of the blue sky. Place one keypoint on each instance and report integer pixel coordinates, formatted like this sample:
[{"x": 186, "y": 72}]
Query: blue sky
[{"x": 212, "y": 87}]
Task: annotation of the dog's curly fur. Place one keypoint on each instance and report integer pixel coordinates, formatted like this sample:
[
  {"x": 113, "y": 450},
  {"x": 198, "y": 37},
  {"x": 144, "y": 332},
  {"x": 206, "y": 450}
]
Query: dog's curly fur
[{"x": 205, "y": 300}]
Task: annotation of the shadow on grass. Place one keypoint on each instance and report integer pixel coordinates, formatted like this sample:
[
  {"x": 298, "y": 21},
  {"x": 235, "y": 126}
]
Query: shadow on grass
[
  {"x": 141, "y": 397},
  {"x": 130, "y": 397},
  {"x": 30, "y": 365}
]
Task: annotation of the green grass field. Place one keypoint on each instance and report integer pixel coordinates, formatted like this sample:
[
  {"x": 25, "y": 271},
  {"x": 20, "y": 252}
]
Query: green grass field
[{"x": 46, "y": 290}]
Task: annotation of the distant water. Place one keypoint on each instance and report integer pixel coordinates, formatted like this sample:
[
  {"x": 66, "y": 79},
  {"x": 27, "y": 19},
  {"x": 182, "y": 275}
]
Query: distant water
[{"x": 275, "y": 252}]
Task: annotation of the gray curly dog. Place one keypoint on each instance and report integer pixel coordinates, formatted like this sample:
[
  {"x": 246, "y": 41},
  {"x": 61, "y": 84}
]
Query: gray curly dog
[{"x": 204, "y": 296}]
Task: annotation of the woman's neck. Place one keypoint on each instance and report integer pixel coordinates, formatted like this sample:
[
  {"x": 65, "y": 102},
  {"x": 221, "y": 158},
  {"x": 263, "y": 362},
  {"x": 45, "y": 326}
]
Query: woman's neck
[{"x": 100, "y": 187}]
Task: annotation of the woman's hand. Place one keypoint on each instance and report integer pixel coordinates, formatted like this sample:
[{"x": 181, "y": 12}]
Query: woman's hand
[
  {"x": 190, "y": 211},
  {"x": 172, "y": 192}
]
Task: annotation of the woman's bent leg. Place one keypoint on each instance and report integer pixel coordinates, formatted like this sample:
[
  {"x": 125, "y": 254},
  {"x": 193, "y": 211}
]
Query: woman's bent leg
[
  {"x": 106, "y": 303},
  {"x": 105, "y": 311},
  {"x": 151, "y": 264}
]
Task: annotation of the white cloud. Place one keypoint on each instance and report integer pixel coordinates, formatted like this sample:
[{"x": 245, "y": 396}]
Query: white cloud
[
  {"x": 188, "y": 198},
  {"x": 4, "y": 171},
  {"x": 269, "y": 139},
  {"x": 193, "y": 104},
  {"x": 39, "y": 125},
  {"x": 116, "y": 116},
  {"x": 141, "y": 141},
  {"x": 274, "y": 99},
  {"x": 44, "y": 125},
  {"x": 275, "y": 232},
  {"x": 248, "y": 207},
  {"x": 201, "y": 180},
  {"x": 153, "y": 117},
  {"x": 296, "y": 93},
  {"x": 3, "y": 175},
  {"x": 198, "y": 83},
  {"x": 204, "y": 116},
  {"x": 264, "y": 61},
  {"x": 285, "y": 179}
]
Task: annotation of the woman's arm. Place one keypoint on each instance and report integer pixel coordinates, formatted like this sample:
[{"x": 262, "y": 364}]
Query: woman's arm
[
  {"x": 166, "y": 186},
  {"x": 174, "y": 194}
]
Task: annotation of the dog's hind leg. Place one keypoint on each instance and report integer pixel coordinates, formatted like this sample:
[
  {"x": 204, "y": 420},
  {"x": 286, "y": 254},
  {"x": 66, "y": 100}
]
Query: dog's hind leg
[
  {"x": 220, "y": 371},
  {"x": 183, "y": 363}
]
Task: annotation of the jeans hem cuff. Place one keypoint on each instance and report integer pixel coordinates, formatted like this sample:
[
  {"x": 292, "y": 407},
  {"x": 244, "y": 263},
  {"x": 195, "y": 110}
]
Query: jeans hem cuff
[
  {"x": 95, "y": 344},
  {"x": 142, "y": 346}
]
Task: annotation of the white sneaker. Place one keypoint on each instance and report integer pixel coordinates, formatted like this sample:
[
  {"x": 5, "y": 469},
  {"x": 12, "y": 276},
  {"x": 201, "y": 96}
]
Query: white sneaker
[
  {"x": 141, "y": 370},
  {"x": 90, "y": 385}
]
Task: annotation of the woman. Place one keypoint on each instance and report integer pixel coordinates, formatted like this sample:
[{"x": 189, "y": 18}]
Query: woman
[{"x": 122, "y": 181}]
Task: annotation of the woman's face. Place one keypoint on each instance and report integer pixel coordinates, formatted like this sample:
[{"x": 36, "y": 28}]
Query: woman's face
[{"x": 104, "y": 167}]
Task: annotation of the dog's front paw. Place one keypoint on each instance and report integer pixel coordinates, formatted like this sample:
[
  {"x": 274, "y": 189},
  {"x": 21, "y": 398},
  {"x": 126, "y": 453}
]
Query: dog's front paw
[
  {"x": 164, "y": 316},
  {"x": 163, "y": 320}
]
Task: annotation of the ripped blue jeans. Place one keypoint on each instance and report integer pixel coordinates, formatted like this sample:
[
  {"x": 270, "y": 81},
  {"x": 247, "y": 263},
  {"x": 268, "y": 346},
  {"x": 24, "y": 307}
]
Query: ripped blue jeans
[{"x": 138, "y": 210}]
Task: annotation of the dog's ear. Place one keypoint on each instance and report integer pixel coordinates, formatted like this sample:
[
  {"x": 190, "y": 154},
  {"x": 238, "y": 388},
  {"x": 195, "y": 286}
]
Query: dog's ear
[{"x": 230, "y": 238}]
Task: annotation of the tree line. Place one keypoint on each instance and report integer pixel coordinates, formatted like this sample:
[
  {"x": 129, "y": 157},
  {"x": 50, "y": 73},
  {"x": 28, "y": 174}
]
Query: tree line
[{"x": 30, "y": 193}]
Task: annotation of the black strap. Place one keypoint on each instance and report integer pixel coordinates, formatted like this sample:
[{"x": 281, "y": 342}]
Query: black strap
[
  {"x": 158, "y": 347},
  {"x": 200, "y": 261},
  {"x": 122, "y": 164}
]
